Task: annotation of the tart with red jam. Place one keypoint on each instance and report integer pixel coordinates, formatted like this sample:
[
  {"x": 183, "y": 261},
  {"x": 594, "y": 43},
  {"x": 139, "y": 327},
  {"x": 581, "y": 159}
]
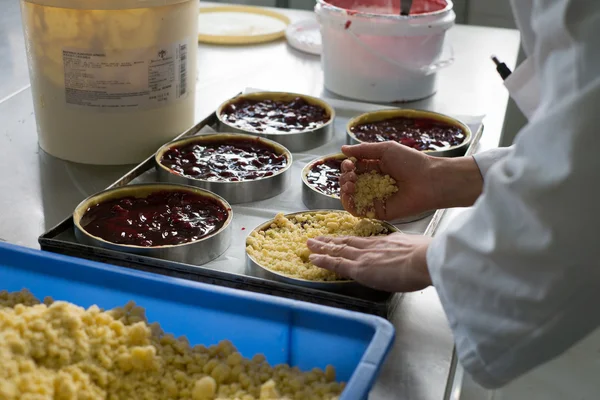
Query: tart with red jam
[
  {"x": 420, "y": 130},
  {"x": 159, "y": 218},
  {"x": 324, "y": 175},
  {"x": 277, "y": 113},
  {"x": 240, "y": 168},
  {"x": 225, "y": 158},
  {"x": 321, "y": 183}
]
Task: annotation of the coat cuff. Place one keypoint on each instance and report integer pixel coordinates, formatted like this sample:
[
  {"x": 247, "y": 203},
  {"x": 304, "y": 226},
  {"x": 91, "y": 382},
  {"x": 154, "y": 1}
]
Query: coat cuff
[{"x": 486, "y": 159}]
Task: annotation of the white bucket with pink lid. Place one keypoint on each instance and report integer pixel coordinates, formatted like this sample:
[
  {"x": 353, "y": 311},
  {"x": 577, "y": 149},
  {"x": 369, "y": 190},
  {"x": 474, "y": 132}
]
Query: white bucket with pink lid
[{"x": 372, "y": 53}]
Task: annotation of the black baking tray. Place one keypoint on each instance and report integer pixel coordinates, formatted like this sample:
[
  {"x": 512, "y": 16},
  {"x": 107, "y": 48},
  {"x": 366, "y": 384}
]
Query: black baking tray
[{"x": 61, "y": 239}]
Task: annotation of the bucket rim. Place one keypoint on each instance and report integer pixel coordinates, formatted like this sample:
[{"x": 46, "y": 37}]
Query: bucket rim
[
  {"x": 351, "y": 13},
  {"x": 105, "y": 5}
]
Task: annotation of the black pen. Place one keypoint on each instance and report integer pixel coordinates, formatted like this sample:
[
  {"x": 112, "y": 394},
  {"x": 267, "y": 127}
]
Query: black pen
[{"x": 502, "y": 69}]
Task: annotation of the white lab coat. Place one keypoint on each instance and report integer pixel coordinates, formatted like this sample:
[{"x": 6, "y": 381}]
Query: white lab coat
[{"x": 518, "y": 275}]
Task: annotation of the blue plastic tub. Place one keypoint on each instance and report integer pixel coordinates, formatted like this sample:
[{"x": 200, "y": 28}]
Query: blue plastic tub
[{"x": 285, "y": 331}]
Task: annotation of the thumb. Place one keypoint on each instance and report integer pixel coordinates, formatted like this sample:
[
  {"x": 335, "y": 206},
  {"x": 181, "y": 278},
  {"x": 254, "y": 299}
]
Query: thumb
[{"x": 369, "y": 151}]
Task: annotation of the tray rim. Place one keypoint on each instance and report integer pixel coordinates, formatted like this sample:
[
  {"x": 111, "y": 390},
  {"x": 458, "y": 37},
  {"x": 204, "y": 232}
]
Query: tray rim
[{"x": 213, "y": 276}]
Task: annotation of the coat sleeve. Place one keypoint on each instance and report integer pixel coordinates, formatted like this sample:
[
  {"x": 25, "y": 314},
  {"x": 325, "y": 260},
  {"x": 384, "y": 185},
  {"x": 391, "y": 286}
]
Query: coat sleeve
[{"x": 518, "y": 274}]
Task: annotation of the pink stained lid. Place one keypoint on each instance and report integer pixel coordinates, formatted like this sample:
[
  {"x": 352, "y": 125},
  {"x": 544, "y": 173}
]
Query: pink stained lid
[{"x": 389, "y": 7}]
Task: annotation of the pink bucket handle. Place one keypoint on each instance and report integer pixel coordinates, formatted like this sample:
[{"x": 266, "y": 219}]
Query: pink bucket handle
[{"x": 424, "y": 70}]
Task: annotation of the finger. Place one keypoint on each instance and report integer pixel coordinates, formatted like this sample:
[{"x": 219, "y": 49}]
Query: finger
[
  {"x": 371, "y": 151},
  {"x": 348, "y": 180},
  {"x": 353, "y": 241},
  {"x": 333, "y": 249},
  {"x": 348, "y": 188},
  {"x": 348, "y": 203},
  {"x": 338, "y": 265},
  {"x": 347, "y": 166}
]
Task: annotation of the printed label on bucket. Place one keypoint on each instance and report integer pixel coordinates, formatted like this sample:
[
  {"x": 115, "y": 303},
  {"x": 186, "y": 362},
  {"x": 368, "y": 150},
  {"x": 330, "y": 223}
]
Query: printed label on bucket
[{"x": 137, "y": 79}]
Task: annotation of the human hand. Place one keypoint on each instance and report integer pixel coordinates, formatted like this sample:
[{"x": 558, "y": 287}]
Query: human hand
[
  {"x": 393, "y": 263},
  {"x": 408, "y": 167},
  {"x": 424, "y": 182}
]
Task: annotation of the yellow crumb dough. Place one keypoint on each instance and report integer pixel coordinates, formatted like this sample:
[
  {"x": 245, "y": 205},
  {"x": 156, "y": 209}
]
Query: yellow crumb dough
[
  {"x": 372, "y": 186},
  {"x": 59, "y": 351},
  {"x": 282, "y": 247}
]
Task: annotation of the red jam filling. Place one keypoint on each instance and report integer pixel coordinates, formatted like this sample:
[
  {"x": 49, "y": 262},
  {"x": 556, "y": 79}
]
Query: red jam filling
[
  {"x": 238, "y": 160},
  {"x": 161, "y": 218},
  {"x": 418, "y": 133},
  {"x": 325, "y": 176},
  {"x": 269, "y": 116}
]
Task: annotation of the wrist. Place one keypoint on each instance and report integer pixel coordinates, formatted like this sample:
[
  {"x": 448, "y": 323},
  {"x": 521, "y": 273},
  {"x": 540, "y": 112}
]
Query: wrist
[
  {"x": 419, "y": 262},
  {"x": 456, "y": 182}
]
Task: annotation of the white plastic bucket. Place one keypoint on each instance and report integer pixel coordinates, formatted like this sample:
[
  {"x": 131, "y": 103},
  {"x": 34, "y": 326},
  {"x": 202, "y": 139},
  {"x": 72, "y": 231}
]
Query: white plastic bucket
[
  {"x": 372, "y": 53},
  {"x": 112, "y": 80}
]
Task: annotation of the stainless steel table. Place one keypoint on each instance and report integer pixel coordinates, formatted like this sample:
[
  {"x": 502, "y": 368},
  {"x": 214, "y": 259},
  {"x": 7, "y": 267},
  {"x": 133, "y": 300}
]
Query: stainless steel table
[{"x": 37, "y": 190}]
